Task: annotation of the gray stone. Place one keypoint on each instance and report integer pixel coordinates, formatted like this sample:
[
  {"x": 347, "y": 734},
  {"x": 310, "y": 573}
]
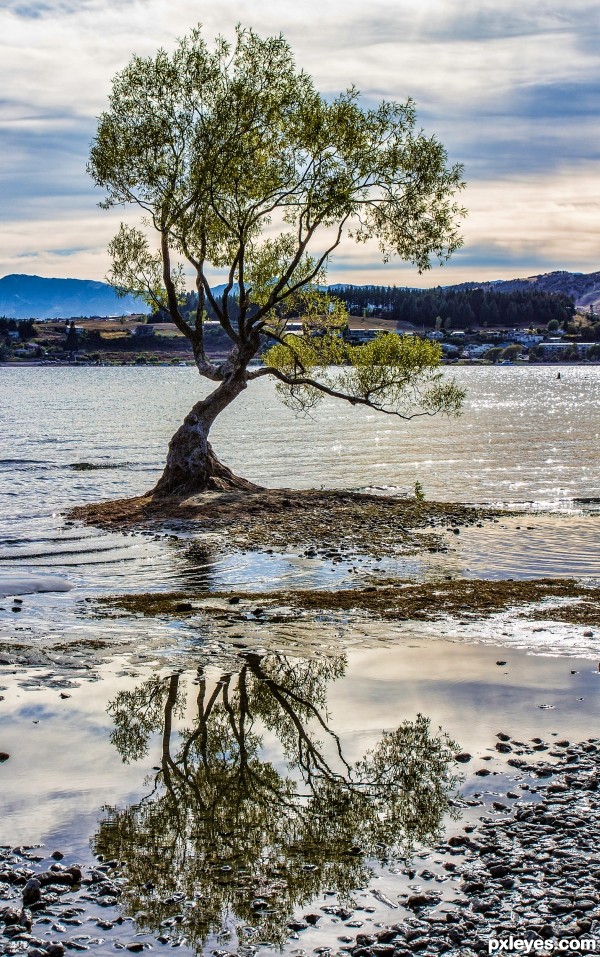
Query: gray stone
[{"x": 32, "y": 892}]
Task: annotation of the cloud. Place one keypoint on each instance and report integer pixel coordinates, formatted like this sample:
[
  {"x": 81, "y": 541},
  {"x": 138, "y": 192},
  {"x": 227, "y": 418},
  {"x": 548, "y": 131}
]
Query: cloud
[
  {"x": 41, "y": 246},
  {"x": 517, "y": 226},
  {"x": 43, "y": 169},
  {"x": 512, "y": 90}
]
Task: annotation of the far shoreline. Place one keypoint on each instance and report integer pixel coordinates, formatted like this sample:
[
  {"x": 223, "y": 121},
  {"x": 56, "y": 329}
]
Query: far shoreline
[{"x": 26, "y": 363}]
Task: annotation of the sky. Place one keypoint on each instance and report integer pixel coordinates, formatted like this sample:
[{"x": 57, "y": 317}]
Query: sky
[{"x": 510, "y": 87}]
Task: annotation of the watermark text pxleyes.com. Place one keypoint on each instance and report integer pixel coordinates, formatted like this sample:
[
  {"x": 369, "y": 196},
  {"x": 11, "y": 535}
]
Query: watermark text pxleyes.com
[{"x": 567, "y": 945}]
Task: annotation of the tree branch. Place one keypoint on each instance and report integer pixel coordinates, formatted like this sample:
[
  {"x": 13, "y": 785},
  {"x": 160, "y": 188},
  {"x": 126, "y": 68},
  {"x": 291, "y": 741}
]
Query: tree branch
[
  {"x": 274, "y": 299},
  {"x": 176, "y": 316},
  {"x": 334, "y": 393}
]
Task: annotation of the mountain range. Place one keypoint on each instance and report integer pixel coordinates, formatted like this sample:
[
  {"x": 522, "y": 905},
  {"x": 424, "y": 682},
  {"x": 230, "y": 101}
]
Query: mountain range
[
  {"x": 583, "y": 288},
  {"x": 26, "y": 297},
  {"x": 34, "y": 297}
]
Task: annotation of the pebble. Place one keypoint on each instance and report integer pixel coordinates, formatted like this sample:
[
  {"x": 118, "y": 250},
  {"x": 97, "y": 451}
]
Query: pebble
[{"x": 533, "y": 873}]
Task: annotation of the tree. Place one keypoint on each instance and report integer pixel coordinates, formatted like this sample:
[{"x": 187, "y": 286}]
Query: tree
[
  {"x": 220, "y": 148},
  {"x": 512, "y": 352},
  {"x": 493, "y": 354},
  {"x": 72, "y": 338}
]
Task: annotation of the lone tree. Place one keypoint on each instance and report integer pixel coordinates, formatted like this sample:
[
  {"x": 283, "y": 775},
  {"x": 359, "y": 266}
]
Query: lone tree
[{"x": 239, "y": 164}]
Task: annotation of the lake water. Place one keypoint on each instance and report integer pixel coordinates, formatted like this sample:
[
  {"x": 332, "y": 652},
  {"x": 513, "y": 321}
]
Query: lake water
[
  {"x": 525, "y": 439},
  {"x": 524, "y": 436}
]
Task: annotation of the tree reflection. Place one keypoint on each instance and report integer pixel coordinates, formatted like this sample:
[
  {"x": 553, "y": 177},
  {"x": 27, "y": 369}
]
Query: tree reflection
[{"x": 233, "y": 832}]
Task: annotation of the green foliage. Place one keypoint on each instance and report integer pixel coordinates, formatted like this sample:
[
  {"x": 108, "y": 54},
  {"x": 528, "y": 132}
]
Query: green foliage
[
  {"x": 463, "y": 306},
  {"x": 419, "y": 491},
  {"x": 392, "y": 373},
  {"x": 211, "y": 143},
  {"x": 494, "y": 354},
  {"x": 512, "y": 352},
  {"x": 137, "y": 270}
]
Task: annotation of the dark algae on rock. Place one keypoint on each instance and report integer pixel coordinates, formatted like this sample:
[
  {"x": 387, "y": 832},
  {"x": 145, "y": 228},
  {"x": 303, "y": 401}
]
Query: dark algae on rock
[{"x": 559, "y": 599}]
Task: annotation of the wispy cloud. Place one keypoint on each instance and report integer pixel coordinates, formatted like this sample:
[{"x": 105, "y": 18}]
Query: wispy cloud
[{"x": 511, "y": 89}]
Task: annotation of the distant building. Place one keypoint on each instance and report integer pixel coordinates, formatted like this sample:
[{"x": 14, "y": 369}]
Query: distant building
[
  {"x": 527, "y": 339},
  {"x": 553, "y": 347},
  {"x": 358, "y": 337},
  {"x": 475, "y": 352}
]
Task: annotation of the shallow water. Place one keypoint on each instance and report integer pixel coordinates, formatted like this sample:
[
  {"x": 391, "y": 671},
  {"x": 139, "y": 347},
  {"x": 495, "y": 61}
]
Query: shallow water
[
  {"x": 75, "y": 435},
  {"x": 83, "y": 770}
]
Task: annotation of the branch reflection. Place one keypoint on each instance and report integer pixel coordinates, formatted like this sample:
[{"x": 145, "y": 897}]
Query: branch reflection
[{"x": 255, "y": 810}]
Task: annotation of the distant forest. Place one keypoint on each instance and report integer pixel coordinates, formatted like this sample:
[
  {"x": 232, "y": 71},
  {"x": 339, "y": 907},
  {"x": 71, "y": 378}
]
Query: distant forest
[
  {"x": 457, "y": 308},
  {"x": 25, "y": 327},
  {"x": 449, "y": 308}
]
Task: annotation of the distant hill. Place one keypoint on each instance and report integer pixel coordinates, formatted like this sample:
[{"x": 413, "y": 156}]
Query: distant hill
[
  {"x": 25, "y": 297},
  {"x": 33, "y": 297},
  {"x": 583, "y": 288}
]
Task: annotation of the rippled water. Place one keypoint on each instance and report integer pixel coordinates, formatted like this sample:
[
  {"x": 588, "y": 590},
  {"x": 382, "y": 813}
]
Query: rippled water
[
  {"x": 75, "y": 435},
  {"x": 525, "y": 438}
]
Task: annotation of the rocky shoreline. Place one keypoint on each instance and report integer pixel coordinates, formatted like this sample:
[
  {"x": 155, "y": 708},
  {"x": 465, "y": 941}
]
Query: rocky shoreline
[
  {"x": 320, "y": 521},
  {"x": 528, "y": 868},
  {"x": 383, "y": 599}
]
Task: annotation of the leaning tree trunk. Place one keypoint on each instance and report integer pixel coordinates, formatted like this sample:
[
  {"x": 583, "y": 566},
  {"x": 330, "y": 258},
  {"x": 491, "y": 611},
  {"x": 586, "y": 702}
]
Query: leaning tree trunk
[{"x": 192, "y": 465}]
